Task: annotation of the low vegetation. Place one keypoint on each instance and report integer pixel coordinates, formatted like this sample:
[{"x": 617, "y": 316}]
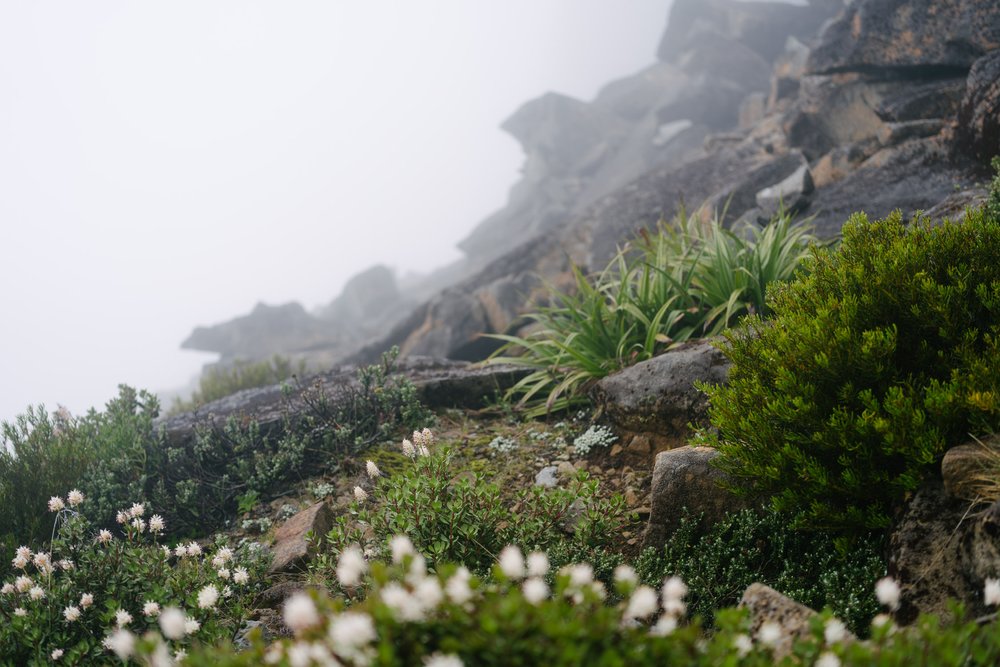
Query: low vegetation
[
  {"x": 225, "y": 380},
  {"x": 690, "y": 279}
]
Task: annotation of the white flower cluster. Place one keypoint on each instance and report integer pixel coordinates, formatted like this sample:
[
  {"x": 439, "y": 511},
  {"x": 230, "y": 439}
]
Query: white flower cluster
[
  {"x": 73, "y": 499},
  {"x": 503, "y": 445},
  {"x": 420, "y": 445},
  {"x": 595, "y": 436}
]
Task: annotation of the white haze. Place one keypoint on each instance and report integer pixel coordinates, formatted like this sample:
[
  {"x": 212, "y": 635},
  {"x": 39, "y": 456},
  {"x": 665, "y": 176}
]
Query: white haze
[{"x": 165, "y": 165}]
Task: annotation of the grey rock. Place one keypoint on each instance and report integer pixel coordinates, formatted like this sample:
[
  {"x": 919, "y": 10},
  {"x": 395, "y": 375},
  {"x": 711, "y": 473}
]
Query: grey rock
[
  {"x": 892, "y": 134},
  {"x": 979, "y": 118},
  {"x": 767, "y": 605},
  {"x": 684, "y": 478},
  {"x": 547, "y": 477},
  {"x": 792, "y": 193},
  {"x": 659, "y": 395},
  {"x": 922, "y": 100},
  {"x": 936, "y": 36},
  {"x": 930, "y": 555}
]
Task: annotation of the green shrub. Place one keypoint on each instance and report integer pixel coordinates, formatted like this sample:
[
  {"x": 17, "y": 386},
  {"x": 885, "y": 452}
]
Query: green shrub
[
  {"x": 68, "y": 598},
  {"x": 691, "y": 279},
  {"x": 221, "y": 381},
  {"x": 874, "y": 363},
  {"x": 102, "y": 452},
  {"x": 463, "y": 518},
  {"x": 750, "y": 546}
]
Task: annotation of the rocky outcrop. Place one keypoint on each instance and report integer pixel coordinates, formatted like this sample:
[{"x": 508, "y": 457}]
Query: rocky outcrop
[
  {"x": 684, "y": 479},
  {"x": 979, "y": 118},
  {"x": 659, "y": 397},
  {"x": 291, "y": 543}
]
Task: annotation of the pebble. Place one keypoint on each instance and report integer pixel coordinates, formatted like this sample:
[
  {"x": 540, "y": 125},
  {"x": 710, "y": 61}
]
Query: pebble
[{"x": 546, "y": 477}]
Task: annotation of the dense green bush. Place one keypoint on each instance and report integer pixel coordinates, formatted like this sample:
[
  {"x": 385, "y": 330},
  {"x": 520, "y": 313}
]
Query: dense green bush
[
  {"x": 104, "y": 453},
  {"x": 221, "y": 381},
  {"x": 463, "y": 518},
  {"x": 751, "y": 546},
  {"x": 884, "y": 355},
  {"x": 61, "y": 603},
  {"x": 690, "y": 279}
]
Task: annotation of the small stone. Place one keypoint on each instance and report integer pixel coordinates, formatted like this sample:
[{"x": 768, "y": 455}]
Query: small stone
[
  {"x": 566, "y": 469},
  {"x": 616, "y": 450},
  {"x": 767, "y": 605},
  {"x": 546, "y": 477},
  {"x": 631, "y": 498},
  {"x": 290, "y": 547}
]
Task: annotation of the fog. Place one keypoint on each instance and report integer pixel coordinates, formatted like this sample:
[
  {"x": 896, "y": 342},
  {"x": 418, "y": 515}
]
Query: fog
[{"x": 168, "y": 165}]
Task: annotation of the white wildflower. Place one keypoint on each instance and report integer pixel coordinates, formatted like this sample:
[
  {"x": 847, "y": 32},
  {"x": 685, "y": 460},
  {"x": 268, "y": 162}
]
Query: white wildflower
[
  {"x": 300, "y": 613},
  {"x": 769, "y": 633},
  {"x": 401, "y": 546},
  {"x": 351, "y": 566},
  {"x": 121, "y": 517},
  {"x": 179, "y": 655},
  {"x": 743, "y": 645},
  {"x": 512, "y": 562},
  {"x": 7, "y": 589},
  {"x": 403, "y": 605},
  {"x": 227, "y": 592},
  {"x": 122, "y": 618},
  {"x": 208, "y": 597},
  {"x": 443, "y": 660},
  {"x": 991, "y": 592},
  {"x": 224, "y": 554},
  {"x": 74, "y": 497},
  {"x": 299, "y": 655},
  {"x": 664, "y": 626},
  {"x": 19, "y": 562},
  {"x": 181, "y": 550},
  {"x": 538, "y": 564},
  {"x": 56, "y": 654},
  {"x": 408, "y": 448},
  {"x": 428, "y": 593},
  {"x": 86, "y": 600},
  {"x": 457, "y": 587},
  {"x": 834, "y": 631},
  {"x": 105, "y": 536},
  {"x": 23, "y": 583},
  {"x": 66, "y": 564},
  {"x": 423, "y": 451},
  {"x": 172, "y": 623},
  {"x": 223, "y": 573},
  {"x": 643, "y": 603},
  {"x": 157, "y": 524},
  {"x": 71, "y": 613},
  {"x": 191, "y": 625},
  {"x": 36, "y": 593},
  {"x": 137, "y": 510},
  {"x": 139, "y": 524},
  {"x": 56, "y": 504},
  {"x": 20, "y": 611},
  {"x": 674, "y": 588},
  {"x": 351, "y": 629},
  {"x": 193, "y": 549},
  {"x": 580, "y": 575},
  {"x": 23, "y": 552},
  {"x": 241, "y": 576},
  {"x": 372, "y": 469},
  {"x": 887, "y": 592},
  {"x": 535, "y": 590},
  {"x": 122, "y": 643},
  {"x": 360, "y": 494},
  {"x": 827, "y": 659},
  {"x": 150, "y": 609},
  {"x": 624, "y": 574}
]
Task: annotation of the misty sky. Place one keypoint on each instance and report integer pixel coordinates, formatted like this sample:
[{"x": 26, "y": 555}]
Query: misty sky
[{"x": 167, "y": 165}]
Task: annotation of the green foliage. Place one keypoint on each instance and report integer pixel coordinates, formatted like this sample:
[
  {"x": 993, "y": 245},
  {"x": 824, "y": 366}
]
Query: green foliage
[
  {"x": 221, "y": 381},
  {"x": 456, "y": 516},
  {"x": 749, "y": 546},
  {"x": 690, "y": 279},
  {"x": 403, "y": 617},
  {"x": 121, "y": 572},
  {"x": 884, "y": 355},
  {"x": 103, "y": 452},
  {"x": 197, "y": 482}
]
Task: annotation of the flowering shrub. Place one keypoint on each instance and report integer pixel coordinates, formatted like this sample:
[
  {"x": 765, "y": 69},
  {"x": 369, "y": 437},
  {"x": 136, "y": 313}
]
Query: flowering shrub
[
  {"x": 464, "y": 518},
  {"x": 74, "y": 599},
  {"x": 595, "y": 436},
  {"x": 404, "y": 615}
]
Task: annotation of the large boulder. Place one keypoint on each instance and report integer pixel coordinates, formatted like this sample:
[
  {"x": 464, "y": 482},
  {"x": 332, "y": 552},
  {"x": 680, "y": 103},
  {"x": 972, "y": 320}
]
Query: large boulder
[
  {"x": 940, "y": 551},
  {"x": 931, "y": 36},
  {"x": 659, "y": 395},
  {"x": 979, "y": 118},
  {"x": 685, "y": 479}
]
